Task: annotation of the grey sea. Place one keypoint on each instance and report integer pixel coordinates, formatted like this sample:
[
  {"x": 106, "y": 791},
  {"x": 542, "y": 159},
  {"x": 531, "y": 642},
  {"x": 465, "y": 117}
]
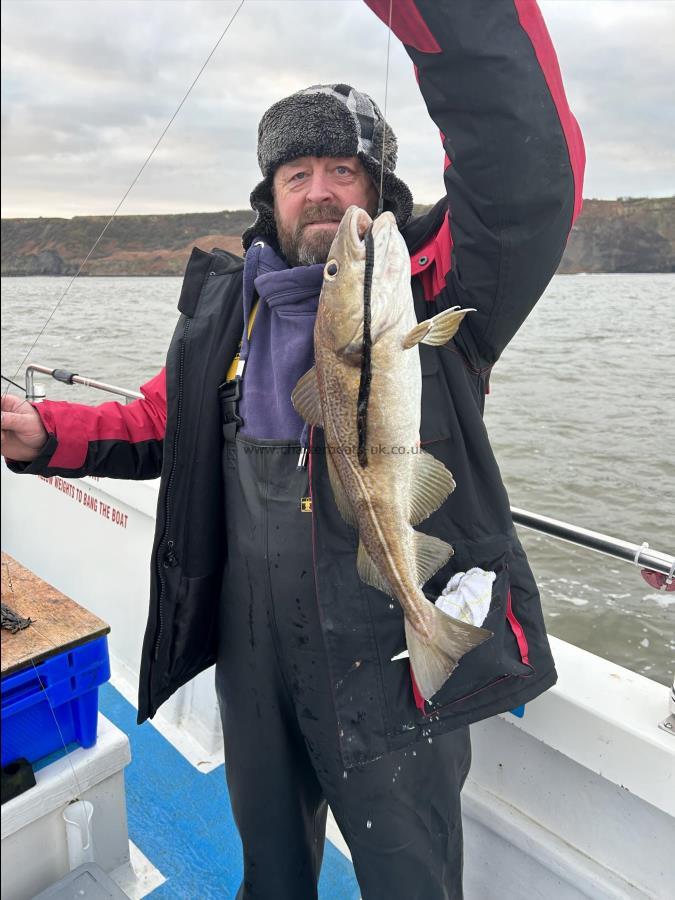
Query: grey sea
[{"x": 580, "y": 416}]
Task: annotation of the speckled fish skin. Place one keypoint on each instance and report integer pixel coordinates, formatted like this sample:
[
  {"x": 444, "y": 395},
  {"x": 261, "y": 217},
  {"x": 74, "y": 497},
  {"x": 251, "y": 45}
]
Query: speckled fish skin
[{"x": 379, "y": 495}]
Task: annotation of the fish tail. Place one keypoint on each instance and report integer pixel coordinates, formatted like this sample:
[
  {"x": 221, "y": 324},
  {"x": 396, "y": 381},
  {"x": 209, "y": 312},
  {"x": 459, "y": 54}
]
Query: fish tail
[{"x": 434, "y": 659}]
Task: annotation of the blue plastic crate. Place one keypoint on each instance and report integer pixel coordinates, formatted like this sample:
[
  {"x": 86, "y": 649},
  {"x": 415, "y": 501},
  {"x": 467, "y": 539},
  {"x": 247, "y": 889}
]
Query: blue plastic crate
[{"x": 61, "y": 689}]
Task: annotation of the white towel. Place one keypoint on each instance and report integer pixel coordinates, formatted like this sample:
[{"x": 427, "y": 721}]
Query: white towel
[{"x": 467, "y": 596}]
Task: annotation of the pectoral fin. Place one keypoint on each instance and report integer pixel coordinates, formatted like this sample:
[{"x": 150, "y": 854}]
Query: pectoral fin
[
  {"x": 306, "y": 398},
  {"x": 438, "y": 330}
]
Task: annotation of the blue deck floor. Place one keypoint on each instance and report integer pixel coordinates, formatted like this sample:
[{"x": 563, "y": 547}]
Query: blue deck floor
[{"x": 181, "y": 818}]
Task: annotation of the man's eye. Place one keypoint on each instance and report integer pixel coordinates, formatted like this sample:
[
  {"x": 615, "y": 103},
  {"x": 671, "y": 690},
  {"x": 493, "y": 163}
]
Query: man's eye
[
  {"x": 343, "y": 170},
  {"x": 298, "y": 176}
]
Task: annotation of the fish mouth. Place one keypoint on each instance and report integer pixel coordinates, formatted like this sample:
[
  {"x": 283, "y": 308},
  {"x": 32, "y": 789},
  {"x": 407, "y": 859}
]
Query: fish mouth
[{"x": 358, "y": 223}]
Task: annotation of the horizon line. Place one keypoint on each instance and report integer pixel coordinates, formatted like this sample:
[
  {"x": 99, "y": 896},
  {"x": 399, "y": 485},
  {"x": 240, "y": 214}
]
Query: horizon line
[{"x": 242, "y": 209}]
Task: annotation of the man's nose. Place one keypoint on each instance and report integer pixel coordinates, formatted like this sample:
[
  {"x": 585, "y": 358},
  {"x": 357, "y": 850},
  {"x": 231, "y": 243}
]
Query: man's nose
[{"x": 320, "y": 189}]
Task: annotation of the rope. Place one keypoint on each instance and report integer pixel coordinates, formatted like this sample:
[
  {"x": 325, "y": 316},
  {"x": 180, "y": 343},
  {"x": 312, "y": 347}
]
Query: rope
[
  {"x": 11, "y": 621},
  {"x": 366, "y": 374}
]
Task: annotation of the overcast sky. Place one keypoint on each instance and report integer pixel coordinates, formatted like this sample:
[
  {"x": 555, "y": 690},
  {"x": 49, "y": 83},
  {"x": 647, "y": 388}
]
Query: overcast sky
[{"x": 89, "y": 85}]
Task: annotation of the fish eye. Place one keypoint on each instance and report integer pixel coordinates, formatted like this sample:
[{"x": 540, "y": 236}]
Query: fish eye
[{"x": 330, "y": 270}]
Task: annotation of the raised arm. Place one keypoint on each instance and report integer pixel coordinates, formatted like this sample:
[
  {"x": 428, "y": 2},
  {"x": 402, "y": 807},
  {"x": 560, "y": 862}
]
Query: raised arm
[
  {"x": 514, "y": 163},
  {"x": 71, "y": 439}
]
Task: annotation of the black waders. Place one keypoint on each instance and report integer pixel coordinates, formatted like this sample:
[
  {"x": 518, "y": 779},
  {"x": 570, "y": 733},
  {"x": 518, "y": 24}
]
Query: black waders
[{"x": 400, "y": 814}]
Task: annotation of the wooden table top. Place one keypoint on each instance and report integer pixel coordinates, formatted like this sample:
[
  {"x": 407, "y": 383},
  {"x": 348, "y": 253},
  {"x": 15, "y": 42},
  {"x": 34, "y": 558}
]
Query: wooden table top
[{"x": 59, "y": 623}]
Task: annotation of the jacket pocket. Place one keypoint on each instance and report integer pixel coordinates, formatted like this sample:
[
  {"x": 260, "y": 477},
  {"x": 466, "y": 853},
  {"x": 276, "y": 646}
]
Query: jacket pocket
[
  {"x": 501, "y": 656},
  {"x": 194, "y": 633}
]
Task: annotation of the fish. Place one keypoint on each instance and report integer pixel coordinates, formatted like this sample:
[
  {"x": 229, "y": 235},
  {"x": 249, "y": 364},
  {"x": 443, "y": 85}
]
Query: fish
[{"x": 365, "y": 391}]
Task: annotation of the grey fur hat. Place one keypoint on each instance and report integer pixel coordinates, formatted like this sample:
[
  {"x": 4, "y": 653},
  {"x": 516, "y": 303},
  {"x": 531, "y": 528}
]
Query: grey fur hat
[{"x": 325, "y": 120}]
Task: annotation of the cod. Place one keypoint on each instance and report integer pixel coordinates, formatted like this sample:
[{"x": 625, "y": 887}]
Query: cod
[{"x": 365, "y": 391}]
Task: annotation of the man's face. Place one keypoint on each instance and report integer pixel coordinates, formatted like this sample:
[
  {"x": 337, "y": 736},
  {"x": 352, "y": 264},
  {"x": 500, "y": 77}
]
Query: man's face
[{"x": 311, "y": 194}]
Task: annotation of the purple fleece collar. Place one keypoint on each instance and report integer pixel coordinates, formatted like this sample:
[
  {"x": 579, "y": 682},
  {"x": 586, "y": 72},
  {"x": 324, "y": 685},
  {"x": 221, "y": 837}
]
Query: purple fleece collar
[
  {"x": 263, "y": 268},
  {"x": 281, "y": 348}
]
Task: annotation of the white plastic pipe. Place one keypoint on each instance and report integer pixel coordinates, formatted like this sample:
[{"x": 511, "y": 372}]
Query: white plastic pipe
[{"x": 77, "y": 816}]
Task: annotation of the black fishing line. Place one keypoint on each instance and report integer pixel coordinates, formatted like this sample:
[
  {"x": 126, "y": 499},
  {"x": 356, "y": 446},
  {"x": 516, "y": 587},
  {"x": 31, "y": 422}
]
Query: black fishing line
[
  {"x": 366, "y": 373},
  {"x": 5, "y": 378}
]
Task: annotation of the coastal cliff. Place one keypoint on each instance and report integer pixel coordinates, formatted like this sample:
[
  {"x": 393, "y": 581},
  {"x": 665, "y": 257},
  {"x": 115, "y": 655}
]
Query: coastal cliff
[{"x": 626, "y": 235}]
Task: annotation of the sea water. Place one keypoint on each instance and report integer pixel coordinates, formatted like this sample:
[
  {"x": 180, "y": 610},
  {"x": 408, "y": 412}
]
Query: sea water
[{"x": 580, "y": 416}]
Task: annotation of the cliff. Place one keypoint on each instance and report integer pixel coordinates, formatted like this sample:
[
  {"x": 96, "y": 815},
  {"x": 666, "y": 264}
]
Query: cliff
[{"x": 628, "y": 235}]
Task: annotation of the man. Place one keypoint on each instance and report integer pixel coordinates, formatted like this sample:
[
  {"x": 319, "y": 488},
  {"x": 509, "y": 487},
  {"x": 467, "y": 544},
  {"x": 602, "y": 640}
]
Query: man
[{"x": 252, "y": 566}]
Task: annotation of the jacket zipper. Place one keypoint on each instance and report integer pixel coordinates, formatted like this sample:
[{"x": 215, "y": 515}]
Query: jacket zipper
[{"x": 170, "y": 558}]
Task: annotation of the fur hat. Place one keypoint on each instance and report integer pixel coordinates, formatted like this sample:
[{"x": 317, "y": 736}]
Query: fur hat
[{"x": 325, "y": 120}]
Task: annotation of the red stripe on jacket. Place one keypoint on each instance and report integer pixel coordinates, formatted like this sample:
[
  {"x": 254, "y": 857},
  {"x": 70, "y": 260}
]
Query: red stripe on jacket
[
  {"x": 518, "y": 632},
  {"x": 534, "y": 26},
  {"x": 432, "y": 262},
  {"x": 406, "y": 23}
]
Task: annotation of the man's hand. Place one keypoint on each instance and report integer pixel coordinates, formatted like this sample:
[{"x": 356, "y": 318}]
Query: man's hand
[{"x": 22, "y": 433}]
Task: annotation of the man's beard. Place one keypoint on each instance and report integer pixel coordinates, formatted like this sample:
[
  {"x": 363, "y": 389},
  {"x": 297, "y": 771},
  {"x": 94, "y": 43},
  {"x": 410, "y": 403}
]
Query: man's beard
[{"x": 306, "y": 247}]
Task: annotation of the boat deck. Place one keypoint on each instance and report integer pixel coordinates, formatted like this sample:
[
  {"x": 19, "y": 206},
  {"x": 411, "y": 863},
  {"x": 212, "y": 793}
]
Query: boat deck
[{"x": 181, "y": 818}]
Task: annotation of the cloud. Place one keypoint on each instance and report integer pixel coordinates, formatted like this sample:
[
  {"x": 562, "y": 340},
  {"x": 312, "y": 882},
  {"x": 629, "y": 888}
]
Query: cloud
[{"x": 89, "y": 87}]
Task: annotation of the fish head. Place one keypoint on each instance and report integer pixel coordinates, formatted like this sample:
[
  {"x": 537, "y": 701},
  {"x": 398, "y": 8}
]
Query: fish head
[{"x": 344, "y": 275}]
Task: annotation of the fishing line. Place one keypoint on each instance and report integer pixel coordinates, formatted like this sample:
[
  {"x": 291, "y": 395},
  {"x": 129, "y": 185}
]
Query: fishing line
[
  {"x": 366, "y": 349},
  {"x": 5, "y": 378},
  {"x": 9, "y": 381},
  {"x": 366, "y": 355},
  {"x": 128, "y": 191},
  {"x": 380, "y": 205}
]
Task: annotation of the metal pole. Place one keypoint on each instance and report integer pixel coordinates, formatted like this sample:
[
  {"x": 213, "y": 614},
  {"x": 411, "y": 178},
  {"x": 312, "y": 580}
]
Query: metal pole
[
  {"x": 70, "y": 378},
  {"x": 638, "y": 554}
]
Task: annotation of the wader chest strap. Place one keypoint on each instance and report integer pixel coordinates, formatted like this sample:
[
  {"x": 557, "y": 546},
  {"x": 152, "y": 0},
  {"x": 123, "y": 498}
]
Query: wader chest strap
[{"x": 229, "y": 393}]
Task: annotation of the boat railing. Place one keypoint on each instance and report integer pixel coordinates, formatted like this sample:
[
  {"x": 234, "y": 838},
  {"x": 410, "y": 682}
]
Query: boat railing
[
  {"x": 641, "y": 555},
  {"x": 35, "y": 391}
]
